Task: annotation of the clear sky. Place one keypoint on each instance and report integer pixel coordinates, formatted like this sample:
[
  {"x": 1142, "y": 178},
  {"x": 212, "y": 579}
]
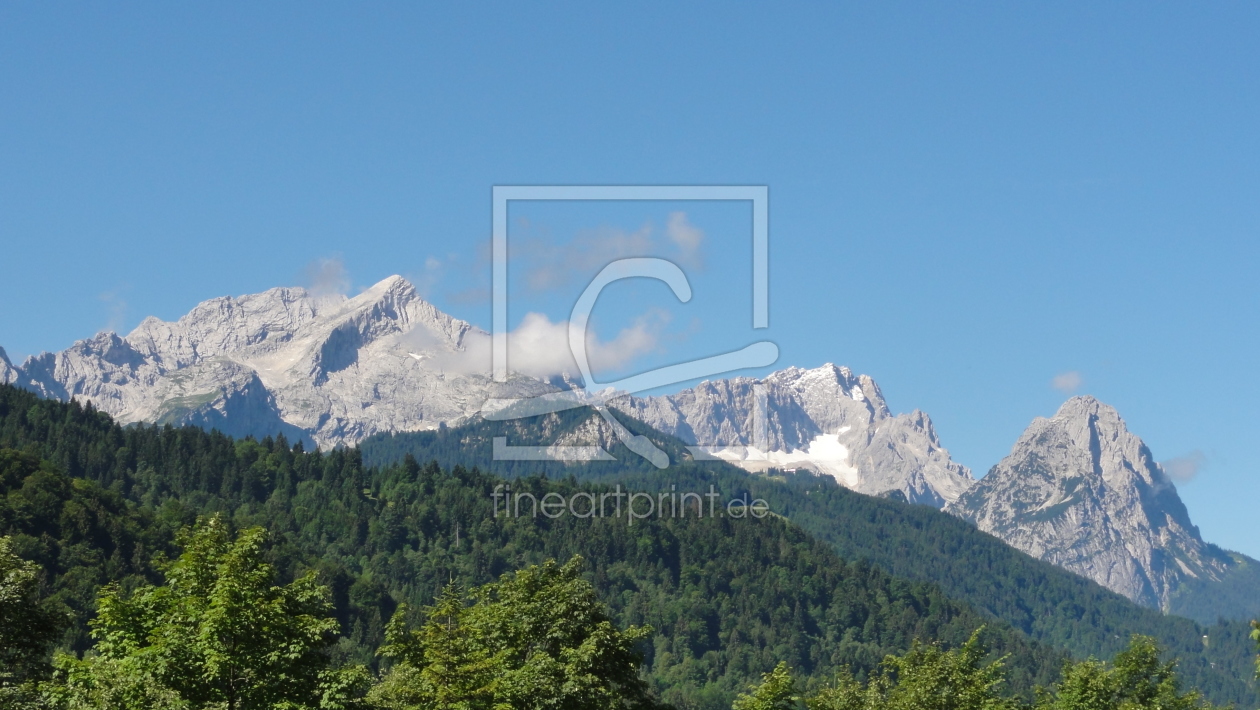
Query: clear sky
[{"x": 967, "y": 200}]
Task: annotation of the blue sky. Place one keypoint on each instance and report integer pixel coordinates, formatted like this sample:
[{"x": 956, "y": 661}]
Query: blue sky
[{"x": 967, "y": 201}]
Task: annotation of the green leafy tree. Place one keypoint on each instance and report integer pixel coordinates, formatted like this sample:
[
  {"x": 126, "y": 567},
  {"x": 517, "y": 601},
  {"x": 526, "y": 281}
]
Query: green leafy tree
[
  {"x": 28, "y": 626},
  {"x": 444, "y": 663},
  {"x": 777, "y": 691},
  {"x": 1136, "y": 680},
  {"x": 846, "y": 693},
  {"x": 1255, "y": 634},
  {"x": 220, "y": 633},
  {"x": 538, "y": 638},
  {"x": 930, "y": 678},
  {"x": 926, "y": 677}
]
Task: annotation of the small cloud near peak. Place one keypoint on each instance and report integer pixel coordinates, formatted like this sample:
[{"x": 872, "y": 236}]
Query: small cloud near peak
[
  {"x": 327, "y": 277},
  {"x": 1067, "y": 382},
  {"x": 1184, "y": 468}
]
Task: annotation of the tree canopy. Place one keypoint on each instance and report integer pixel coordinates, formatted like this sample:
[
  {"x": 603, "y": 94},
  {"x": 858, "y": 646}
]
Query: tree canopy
[
  {"x": 538, "y": 638},
  {"x": 219, "y": 631}
]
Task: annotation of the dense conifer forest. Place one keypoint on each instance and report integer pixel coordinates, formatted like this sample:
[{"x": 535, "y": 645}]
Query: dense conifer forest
[{"x": 103, "y": 511}]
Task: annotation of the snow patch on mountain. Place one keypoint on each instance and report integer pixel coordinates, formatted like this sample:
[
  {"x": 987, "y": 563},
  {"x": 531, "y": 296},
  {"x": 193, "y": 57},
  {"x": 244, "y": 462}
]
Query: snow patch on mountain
[{"x": 824, "y": 419}]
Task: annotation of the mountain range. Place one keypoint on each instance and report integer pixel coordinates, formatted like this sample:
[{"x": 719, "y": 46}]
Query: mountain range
[{"x": 1078, "y": 489}]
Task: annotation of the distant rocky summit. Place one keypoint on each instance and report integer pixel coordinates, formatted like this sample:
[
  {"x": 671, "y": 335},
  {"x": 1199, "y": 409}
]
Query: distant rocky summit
[
  {"x": 329, "y": 369},
  {"x": 1081, "y": 491},
  {"x": 827, "y": 420},
  {"x": 1078, "y": 489},
  {"x": 334, "y": 370}
]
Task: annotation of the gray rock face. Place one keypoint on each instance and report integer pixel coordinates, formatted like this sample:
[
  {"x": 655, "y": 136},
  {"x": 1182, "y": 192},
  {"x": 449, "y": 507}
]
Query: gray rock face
[
  {"x": 1079, "y": 490},
  {"x": 826, "y": 419},
  {"x": 334, "y": 370},
  {"x": 330, "y": 369},
  {"x": 8, "y": 373}
]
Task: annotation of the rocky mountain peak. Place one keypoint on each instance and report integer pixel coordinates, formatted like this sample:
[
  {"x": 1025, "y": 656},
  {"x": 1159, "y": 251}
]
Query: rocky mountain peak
[
  {"x": 335, "y": 369},
  {"x": 325, "y": 367},
  {"x": 1080, "y": 490},
  {"x": 824, "y": 419}
]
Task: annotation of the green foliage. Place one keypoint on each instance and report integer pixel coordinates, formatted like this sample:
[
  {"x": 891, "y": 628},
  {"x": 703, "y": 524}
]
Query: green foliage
[
  {"x": 728, "y": 599},
  {"x": 930, "y": 678},
  {"x": 538, "y": 638},
  {"x": 445, "y": 663},
  {"x": 1050, "y": 605},
  {"x": 927, "y": 677},
  {"x": 1136, "y": 680},
  {"x": 1255, "y": 636},
  {"x": 103, "y": 682},
  {"x": 845, "y": 692},
  {"x": 219, "y": 631},
  {"x": 777, "y": 691},
  {"x": 1232, "y": 597},
  {"x": 28, "y": 627},
  {"x": 83, "y": 536}
]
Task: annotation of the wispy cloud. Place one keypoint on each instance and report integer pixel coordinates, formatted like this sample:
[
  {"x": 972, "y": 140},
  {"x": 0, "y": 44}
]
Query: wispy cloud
[
  {"x": 1067, "y": 382},
  {"x": 115, "y": 307},
  {"x": 687, "y": 238},
  {"x": 327, "y": 277},
  {"x": 428, "y": 277},
  {"x": 550, "y": 266},
  {"x": 1184, "y": 468}
]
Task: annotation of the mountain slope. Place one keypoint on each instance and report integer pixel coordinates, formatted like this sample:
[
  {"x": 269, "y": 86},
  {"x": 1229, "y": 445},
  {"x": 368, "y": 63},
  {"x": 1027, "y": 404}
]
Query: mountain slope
[
  {"x": 1081, "y": 491},
  {"x": 1049, "y": 604},
  {"x": 330, "y": 369},
  {"x": 825, "y": 419},
  {"x": 7, "y": 372},
  {"x": 728, "y": 598}
]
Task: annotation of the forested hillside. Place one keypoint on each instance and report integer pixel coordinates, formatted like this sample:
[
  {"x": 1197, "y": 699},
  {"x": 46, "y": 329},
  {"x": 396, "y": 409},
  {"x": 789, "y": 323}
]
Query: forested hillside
[
  {"x": 728, "y": 598},
  {"x": 914, "y": 542}
]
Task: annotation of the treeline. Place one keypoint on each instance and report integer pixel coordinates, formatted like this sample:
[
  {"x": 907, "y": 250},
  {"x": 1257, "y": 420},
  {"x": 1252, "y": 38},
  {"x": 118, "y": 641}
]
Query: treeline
[
  {"x": 728, "y": 597},
  {"x": 220, "y": 633},
  {"x": 94, "y": 503}
]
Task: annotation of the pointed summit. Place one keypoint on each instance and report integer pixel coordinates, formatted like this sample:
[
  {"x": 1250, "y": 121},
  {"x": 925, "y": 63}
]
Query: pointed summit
[
  {"x": 1080, "y": 490},
  {"x": 326, "y": 367}
]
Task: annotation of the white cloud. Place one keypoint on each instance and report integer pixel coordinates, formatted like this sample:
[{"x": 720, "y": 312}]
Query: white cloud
[
  {"x": 327, "y": 277},
  {"x": 540, "y": 348},
  {"x": 1184, "y": 468},
  {"x": 1067, "y": 382},
  {"x": 687, "y": 237}
]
